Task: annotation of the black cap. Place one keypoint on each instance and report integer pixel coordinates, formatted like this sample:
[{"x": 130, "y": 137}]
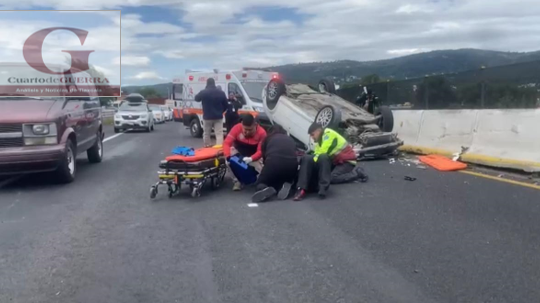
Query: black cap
[{"x": 313, "y": 127}]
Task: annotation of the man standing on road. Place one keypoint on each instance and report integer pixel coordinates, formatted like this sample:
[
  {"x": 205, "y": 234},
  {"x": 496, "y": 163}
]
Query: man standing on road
[
  {"x": 214, "y": 104},
  {"x": 246, "y": 139},
  {"x": 333, "y": 162},
  {"x": 232, "y": 117}
]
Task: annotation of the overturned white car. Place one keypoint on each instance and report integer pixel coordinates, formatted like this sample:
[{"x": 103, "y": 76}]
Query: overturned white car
[{"x": 295, "y": 107}]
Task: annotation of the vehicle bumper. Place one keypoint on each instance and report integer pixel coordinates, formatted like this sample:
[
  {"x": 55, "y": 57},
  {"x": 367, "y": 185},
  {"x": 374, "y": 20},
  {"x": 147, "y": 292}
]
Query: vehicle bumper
[
  {"x": 31, "y": 159},
  {"x": 133, "y": 124}
]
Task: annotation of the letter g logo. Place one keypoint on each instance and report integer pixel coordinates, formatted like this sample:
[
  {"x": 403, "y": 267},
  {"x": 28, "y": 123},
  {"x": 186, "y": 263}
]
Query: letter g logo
[{"x": 32, "y": 51}]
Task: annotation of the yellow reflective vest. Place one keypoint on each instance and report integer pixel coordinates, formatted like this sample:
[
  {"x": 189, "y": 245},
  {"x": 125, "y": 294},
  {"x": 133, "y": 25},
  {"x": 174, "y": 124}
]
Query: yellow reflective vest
[{"x": 334, "y": 145}]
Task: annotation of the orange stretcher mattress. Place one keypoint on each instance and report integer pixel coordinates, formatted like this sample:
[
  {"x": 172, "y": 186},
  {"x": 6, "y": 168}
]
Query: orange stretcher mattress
[
  {"x": 200, "y": 154},
  {"x": 442, "y": 163}
]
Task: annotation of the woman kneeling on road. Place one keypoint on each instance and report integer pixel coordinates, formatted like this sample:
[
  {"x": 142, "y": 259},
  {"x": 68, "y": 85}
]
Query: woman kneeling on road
[{"x": 280, "y": 166}]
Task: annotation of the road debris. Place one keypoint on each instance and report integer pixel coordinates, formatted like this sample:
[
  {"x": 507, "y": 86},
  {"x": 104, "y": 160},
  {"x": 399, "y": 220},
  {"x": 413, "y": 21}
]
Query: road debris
[
  {"x": 392, "y": 161},
  {"x": 457, "y": 156},
  {"x": 407, "y": 178},
  {"x": 253, "y": 205}
]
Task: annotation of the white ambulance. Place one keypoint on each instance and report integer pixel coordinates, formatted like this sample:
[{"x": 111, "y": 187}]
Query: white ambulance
[{"x": 247, "y": 85}]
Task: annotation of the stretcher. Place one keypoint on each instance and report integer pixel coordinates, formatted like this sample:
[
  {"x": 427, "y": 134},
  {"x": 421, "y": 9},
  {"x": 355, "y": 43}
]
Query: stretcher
[{"x": 206, "y": 164}]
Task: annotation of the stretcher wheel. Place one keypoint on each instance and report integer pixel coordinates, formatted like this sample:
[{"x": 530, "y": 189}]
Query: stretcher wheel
[
  {"x": 153, "y": 192},
  {"x": 173, "y": 189},
  {"x": 216, "y": 182}
]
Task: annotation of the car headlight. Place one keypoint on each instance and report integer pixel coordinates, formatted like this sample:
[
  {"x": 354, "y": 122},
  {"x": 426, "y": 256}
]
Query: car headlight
[
  {"x": 259, "y": 109},
  {"x": 144, "y": 116},
  {"x": 40, "y": 134},
  {"x": 117, "y": 117},
  {"x": 40, "y": 129}
]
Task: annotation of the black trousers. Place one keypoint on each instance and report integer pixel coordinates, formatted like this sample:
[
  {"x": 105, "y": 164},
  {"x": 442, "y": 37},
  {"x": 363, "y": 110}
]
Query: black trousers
[
  {"x": 319, "y": 175},
  {"x": 276, "y": 172}
]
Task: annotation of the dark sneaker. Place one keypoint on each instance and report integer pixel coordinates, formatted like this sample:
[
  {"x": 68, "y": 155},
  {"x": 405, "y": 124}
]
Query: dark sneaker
[
  {"x": 285, "y": 191},
  {"x": 322, "y": 195},
  {"x": 300, "y": 195},
  {"x": 362, "y": 177},
  {"x": 263, "y": 195}
]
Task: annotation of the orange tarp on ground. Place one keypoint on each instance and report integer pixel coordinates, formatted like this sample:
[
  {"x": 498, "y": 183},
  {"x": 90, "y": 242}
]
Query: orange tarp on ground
[{"x": 442, "y": 163}]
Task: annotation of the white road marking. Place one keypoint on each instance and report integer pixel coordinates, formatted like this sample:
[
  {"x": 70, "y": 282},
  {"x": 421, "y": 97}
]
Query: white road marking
[
  {"x": 112, "y": 137},
  {"x": 253, "y": 205}
]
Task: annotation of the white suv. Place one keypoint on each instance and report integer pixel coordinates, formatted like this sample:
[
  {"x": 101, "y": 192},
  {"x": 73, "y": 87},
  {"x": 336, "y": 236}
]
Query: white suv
[{"x": 134, "y": 115}]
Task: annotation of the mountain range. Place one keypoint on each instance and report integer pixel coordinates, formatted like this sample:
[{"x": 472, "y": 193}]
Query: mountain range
[{"x": 412, "y": 66}]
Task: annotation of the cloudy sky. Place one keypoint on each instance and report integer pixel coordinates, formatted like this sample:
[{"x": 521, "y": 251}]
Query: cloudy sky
[{"x": 161, "y": 38}]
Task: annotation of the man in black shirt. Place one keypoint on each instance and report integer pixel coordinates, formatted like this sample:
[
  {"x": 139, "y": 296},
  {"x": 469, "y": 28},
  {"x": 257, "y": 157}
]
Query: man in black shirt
[
  {"x": 214, "y": 104},
  {"x": 231, "y": 116},
  {"x": 280, "y": 166}
]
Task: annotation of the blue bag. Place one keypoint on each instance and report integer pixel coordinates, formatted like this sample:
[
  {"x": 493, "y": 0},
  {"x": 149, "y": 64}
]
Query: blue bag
[
  {"x": 183, "y": 151},
  {"x": 246, "y": 174}
]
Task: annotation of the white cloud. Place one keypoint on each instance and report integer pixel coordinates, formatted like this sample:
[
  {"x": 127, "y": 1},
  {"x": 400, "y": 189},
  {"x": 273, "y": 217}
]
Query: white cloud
[
  {"x": 403, "y": 52},
  {"x": 132, "y": 61},
  {"x": 411, "y": 8},
  {"x": 339, "y": 29},
  {"x": 148, "y": 75}
]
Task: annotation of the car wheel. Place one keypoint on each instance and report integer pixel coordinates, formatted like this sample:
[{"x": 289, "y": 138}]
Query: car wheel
[
  {"x": 329, "y": 116},
  {"x": 116, "y": 130},
  {"x": 386, "y": 123},
  {"x": 327, "y": 86},
  {"x": 195, "y": 128},
  {"x": 68, "y": 165},
  {"x": 274, "y": 90},
  {"x": 95, "y": 153}
]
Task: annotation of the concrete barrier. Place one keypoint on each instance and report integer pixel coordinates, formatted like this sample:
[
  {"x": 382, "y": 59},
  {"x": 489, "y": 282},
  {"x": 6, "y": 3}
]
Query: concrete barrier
[{"x": 498, "y": 138}]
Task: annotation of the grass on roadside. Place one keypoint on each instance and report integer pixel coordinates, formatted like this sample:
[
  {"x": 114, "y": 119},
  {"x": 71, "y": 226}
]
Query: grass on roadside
[{"x": 108, "y": 121}]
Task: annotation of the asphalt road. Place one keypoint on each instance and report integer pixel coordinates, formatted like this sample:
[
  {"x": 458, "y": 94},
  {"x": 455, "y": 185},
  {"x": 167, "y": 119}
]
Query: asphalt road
[{"x": 446, "y": 237}]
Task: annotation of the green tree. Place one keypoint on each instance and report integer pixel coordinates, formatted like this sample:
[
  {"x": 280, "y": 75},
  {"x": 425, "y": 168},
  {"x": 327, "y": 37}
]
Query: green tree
[
  {"x": 438, "y": 91},
  {"x": 149, "y": 92},
  {"x": 502, "y": 95},
  {"x": 371, "y": 79}
]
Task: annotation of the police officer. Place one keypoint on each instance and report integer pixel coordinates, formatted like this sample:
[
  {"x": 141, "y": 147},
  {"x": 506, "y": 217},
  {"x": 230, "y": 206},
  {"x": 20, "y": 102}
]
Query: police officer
[{"x": 333, "y": 162}]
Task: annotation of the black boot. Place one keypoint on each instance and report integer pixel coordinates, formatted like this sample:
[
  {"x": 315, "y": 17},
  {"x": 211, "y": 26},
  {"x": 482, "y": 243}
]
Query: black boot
[{"x": 263, "y": 195}]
